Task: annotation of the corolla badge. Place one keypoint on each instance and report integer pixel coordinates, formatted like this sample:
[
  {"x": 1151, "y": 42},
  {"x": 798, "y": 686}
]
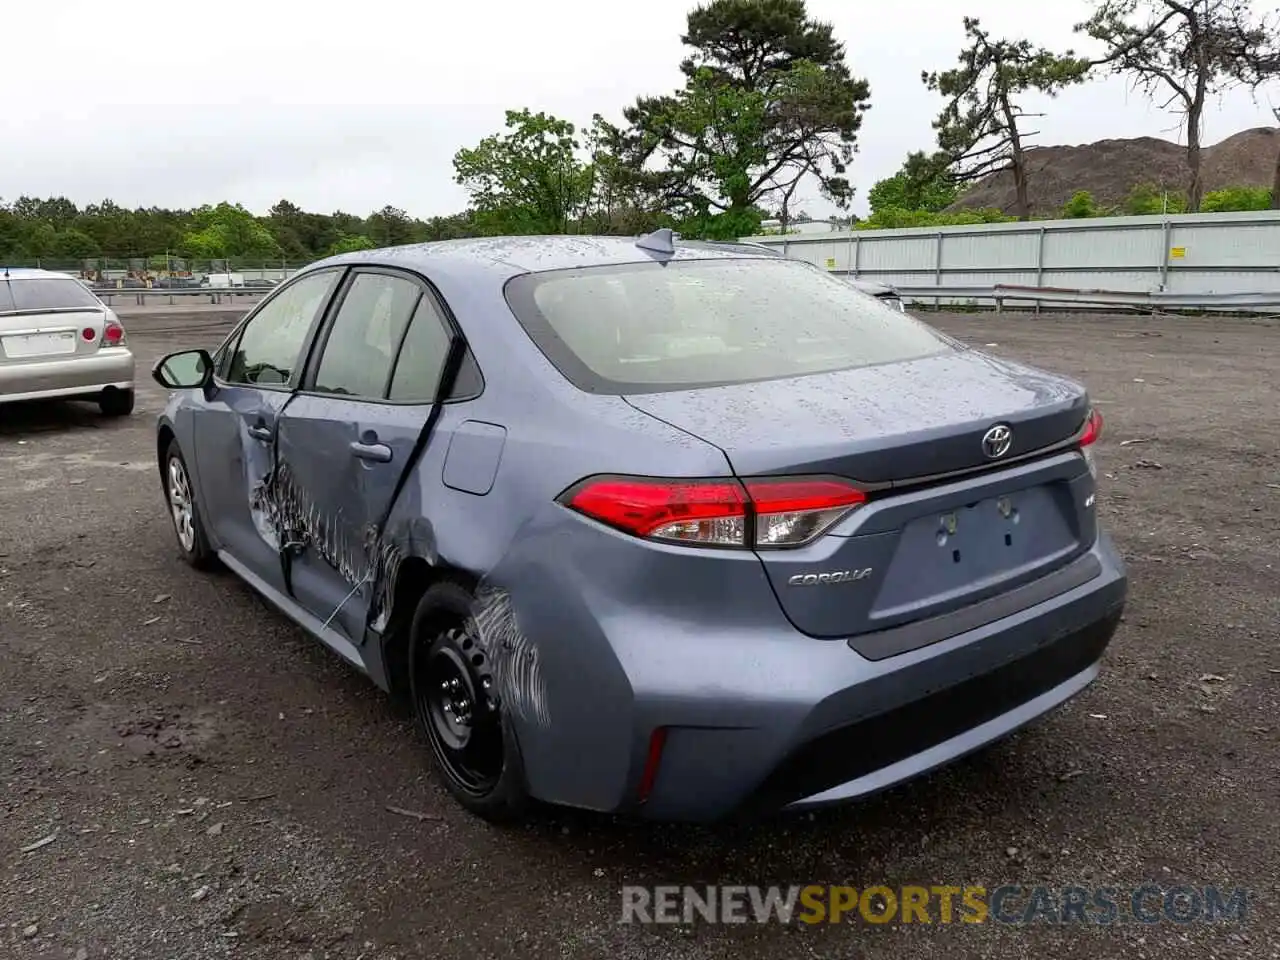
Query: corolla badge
[
  {"x": 997, "y": 441},
  {"x": 835, "y": 576}
]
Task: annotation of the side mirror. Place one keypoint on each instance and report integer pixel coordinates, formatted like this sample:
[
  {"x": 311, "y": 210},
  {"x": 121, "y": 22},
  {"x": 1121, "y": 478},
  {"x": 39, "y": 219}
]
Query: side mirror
[{"x": 184, "y": 370}]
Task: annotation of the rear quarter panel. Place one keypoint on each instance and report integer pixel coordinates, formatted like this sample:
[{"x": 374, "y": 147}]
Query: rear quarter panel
[{"x": 553, "y": 661}]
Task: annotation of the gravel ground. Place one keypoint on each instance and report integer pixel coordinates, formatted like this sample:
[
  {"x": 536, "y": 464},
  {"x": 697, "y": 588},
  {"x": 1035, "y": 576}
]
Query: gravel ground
[{"x": 216, "y": 784}]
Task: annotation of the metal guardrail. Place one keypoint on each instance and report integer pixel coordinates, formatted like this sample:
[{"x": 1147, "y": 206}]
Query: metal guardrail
[
  {"x": 1002, "y": 293},
  {"x": 140, "y": 295}
]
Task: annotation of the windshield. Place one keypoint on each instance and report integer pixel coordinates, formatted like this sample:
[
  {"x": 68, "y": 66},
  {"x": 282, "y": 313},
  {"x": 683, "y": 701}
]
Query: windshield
[
  {"x": 45, "y": 293},
  {"x": 650, "y": 327}
]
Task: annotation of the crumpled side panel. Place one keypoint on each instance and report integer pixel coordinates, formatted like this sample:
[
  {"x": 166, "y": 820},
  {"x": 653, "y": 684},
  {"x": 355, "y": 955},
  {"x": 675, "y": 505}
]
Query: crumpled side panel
[
  {"x": 288, "y": 517},
  {"x": 258, "y": 468}
]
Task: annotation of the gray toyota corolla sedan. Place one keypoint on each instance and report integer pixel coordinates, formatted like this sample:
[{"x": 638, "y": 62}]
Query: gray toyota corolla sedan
[{"x": 648, "y": 526}]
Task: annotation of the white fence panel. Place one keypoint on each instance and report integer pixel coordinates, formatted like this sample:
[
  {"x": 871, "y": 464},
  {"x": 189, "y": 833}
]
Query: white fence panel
[{"x": 1179, "y": 254}]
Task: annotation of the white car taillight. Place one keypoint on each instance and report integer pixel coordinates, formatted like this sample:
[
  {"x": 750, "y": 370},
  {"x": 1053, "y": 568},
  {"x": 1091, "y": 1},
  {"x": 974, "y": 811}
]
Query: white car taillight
[{"x": 112, "y": 334}]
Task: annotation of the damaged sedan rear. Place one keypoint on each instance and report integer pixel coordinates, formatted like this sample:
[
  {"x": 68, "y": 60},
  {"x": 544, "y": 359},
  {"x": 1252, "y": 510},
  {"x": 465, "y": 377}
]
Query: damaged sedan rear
[{"x": 670, "y": 529}]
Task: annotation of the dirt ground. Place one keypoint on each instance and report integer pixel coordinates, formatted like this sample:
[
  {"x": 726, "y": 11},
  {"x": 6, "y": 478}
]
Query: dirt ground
[{"x": 215, "y": 784}]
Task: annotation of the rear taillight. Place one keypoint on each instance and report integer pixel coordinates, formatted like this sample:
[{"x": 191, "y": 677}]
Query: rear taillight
[
  {"x": 112, "y": 334},
  {"x": 706, "y": 512},
  {"x": 760, "y": 513},
  {"x": 1092, "y": 428},
  {"x": 792, "y": 512},
  {"x": 1092, "y": 431}
]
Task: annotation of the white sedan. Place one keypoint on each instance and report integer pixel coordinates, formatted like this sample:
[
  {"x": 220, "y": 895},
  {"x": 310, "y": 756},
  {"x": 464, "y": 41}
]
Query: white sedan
[{"x": 59, "y": 341}]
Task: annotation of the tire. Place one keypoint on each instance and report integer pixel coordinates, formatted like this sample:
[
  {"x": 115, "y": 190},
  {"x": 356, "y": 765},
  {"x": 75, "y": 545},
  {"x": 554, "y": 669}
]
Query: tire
[
  {"x": 476, "y": 755},
  {"x": 116, "y": 403},
  {"x": 184, "y": 511}
]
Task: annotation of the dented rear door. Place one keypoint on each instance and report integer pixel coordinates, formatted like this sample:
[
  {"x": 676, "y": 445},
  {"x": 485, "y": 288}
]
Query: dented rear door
[
  {"x": 347, "y": 439},
  {"x": 340, "y": 462}
]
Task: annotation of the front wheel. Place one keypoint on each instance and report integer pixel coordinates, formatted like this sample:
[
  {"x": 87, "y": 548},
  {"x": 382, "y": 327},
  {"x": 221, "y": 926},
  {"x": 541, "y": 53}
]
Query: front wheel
[
  {"x": 188, "y": 525},
  {"x": 457, "y": 709}
]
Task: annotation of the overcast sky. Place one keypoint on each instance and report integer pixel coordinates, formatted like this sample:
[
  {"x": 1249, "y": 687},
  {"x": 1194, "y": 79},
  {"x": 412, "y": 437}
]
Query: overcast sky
[{"x": 353, "y": 106}]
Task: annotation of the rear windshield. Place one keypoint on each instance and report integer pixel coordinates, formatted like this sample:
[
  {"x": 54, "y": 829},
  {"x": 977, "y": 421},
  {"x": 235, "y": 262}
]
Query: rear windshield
[
  {"x": 45, "y": 293},
  {"x": 649, "y": 327}
]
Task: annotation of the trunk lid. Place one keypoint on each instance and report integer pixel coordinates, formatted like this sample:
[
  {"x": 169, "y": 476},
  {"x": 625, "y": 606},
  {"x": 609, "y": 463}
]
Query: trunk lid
[
  {"x": 947, "y": 525},
  {"x": 34, "y": 336},
  {"x": 880, "y": 424}
]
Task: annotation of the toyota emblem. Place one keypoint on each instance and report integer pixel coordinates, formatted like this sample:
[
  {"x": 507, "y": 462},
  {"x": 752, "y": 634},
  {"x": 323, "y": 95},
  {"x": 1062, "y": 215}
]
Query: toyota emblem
[{"x": 997, "y": 441}]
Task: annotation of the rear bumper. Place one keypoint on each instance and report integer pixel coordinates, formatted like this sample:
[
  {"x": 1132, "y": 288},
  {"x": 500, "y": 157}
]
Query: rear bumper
[
  {"x": 878, "y": 751},
  {"x": 759, "y": 717},
  {"x": 858, "y": 732},
  {"x": 65, "y": 378}
]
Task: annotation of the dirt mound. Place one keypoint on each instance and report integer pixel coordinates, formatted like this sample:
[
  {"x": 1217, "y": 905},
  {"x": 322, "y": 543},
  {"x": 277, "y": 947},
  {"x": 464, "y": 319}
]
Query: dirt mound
[{"x": 1110, "y": 169}]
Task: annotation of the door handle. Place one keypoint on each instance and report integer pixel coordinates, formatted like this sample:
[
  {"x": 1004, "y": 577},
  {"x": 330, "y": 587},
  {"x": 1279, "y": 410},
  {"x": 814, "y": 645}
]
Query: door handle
[
  {"x": 377, "y": 452},
  {"x": 260, "y": 431}
]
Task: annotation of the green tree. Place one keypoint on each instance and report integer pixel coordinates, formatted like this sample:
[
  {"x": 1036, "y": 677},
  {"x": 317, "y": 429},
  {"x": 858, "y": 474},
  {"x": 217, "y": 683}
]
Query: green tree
[
  {"x": 1190, "y": 50},
  {"x": 528, "y": 180},
  {"x": 620, "y": 202},
  {"x": 299, "y": 234},
  {"x": 389, "y": 227},
  {"x": 712, "y": 186},
  {"x": 1149, "y": 199},
  {"x": 978, "y": 129},
  {"x": 10, "y": 234},
  {"x": 450, "y": 228},
  {"x": 768, "y": 101},
  {"x": 151, "y": 230},
  {"x": 228, "y": 230},
  {"x": 54, "y": 229},
  {"x": 1231, "y": 199},
  {"x": 349, "y": 244},
  {"x": 110, "y": 226},
  {"x": 896, "y": 219},
  {"x": 41, "y": 240},
  {"x": 1080, "y": 206},
  {"x": 57, "y": 211},
  {"x": 917, "y": 186},
  {"x": 73, "y": 244}
]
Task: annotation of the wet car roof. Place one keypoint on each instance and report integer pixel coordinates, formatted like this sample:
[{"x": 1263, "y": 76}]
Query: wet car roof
[{"x": 511, "y": 256}]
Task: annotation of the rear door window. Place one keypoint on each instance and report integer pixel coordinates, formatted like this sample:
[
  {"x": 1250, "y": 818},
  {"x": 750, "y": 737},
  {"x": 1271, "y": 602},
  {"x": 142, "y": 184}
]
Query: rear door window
[
  {"x": 361, "y": 347},
  {"x": 421, "y": 361},
  {"x": 651, "y": 327}
]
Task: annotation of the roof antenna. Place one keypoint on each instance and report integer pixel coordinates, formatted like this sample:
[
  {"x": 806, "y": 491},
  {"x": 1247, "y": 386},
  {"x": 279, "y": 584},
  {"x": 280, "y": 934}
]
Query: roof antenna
[{"x": 661, "y": 240}]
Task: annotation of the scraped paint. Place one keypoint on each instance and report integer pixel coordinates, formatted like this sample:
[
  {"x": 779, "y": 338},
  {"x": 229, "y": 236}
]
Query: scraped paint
[{"x": 511, "y": 657}]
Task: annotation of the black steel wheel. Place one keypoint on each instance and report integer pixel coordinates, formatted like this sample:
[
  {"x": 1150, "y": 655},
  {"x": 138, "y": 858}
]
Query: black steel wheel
[
  {"x": 456, "y": 706},
  {"x": 453, "y": 702}
]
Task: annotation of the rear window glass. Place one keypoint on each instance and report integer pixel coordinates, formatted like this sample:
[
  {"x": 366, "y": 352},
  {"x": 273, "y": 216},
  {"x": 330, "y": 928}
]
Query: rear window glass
[
  {"x": 649, "y": 327},
  {"x": 45, "y": 293}
]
